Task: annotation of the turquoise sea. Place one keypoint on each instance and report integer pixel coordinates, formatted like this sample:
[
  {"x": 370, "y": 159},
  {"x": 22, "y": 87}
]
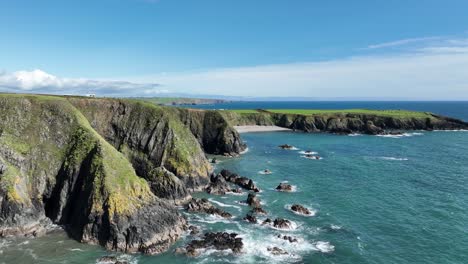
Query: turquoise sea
[{"x": 376, "y": 200}]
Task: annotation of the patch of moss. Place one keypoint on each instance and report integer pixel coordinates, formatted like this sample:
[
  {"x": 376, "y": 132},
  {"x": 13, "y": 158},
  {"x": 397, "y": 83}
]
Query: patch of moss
[
  {"x": 16, "y": 143},
  {"x": 9, "y": 181}
]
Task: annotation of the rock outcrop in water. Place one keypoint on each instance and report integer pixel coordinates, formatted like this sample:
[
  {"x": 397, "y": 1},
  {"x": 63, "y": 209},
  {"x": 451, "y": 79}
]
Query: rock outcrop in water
[
  {"x": 297, "y": 208},
  {"x": 217, "y": 241},
  {"x": 284, "y": 187},
  {"x": 109, "y": 171},
  {"x": 204, "y": 206}
]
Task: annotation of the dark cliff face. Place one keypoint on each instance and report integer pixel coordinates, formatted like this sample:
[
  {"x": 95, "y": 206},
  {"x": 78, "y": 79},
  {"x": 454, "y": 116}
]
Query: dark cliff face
[
  {"x": 347, "y": 123},
  {"x": 213, "y": 132},
  {"x": 159, "y": 146},
  {"x": 371, "y": 124},
  {"x": 109, "y": 171}
]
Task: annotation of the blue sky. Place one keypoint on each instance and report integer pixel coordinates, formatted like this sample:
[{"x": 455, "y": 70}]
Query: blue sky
[{"x": 243, "y": 47}]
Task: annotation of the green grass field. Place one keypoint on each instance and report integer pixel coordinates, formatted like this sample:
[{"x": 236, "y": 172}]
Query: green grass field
[{"x": 389, "y": 113}]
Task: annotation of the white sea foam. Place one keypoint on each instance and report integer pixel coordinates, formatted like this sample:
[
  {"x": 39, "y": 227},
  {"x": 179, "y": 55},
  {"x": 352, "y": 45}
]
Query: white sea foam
[
  {"x": 308, "y": 153},
  {"x": 402, "y": 135},
  {"x": 24, "y": 243},
  {"x": 244, "y": 151},
  {"x": 212, "y": 219},
  {"x": 75, "y": 249},
  {"x": 335, "y": 227},
  {"x": 324, "y": 246},
  {"x": 257, "y": 247},
  {"x": 394, "y": 158},
  {"x": 312, "y": 158},
  {"x": 223, "y": 204},
  {"x": 354, "y": 135},
  {"x": 452, "y": 130}
]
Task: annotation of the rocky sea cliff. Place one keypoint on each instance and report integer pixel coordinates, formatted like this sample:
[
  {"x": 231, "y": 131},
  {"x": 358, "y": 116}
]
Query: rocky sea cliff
[{"x": 111, "y": 172}]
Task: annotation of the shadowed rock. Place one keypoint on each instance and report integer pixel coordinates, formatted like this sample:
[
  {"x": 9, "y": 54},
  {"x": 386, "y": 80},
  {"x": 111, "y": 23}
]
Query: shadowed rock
[
  {"x": 282, "y": 223},
  {"x": 277, "y": 251},
  {"x": 242, "y": 182},
  {"x": 250, "y": 218},
  {"x": 288, "y": 238},
  {"x": 300, "y": 209},
  {"x": 284, "y": 187}
]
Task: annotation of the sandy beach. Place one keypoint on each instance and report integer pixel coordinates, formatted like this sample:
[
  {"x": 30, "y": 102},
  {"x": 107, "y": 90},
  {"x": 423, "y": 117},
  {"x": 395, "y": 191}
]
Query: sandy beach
[{"x": 245, "y": 129}]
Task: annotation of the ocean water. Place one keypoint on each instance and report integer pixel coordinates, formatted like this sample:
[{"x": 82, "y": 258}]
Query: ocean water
[{"x": 375, "y": 199}]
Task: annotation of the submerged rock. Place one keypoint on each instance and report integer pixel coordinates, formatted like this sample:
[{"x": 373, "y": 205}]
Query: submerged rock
[
  {"x": 284, "y": 187},
  {"x": 250, "y": 218},
  {"x": 204, "y": 206},
  {"x": 110, "y": 260},
  {"x": 217, "y": 241},
  {"x": 194, "y": 230},
  {"x": 300, "y": 209},
  {"x": 286, "y": 146},
  {"x": 277, "y": 251},
  {"x": 288, "y": 238},
  {"x": 258, "y": 210}
]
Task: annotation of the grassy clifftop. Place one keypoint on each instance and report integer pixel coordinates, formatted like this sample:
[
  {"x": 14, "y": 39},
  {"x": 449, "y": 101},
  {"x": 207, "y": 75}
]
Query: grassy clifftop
[{"x": 318, "y": 112}]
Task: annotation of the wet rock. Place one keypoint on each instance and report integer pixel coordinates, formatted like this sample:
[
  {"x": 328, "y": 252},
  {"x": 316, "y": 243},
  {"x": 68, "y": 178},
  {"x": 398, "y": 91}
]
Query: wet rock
[
  {"x": 243, "y": 182},
  {"x": 194, "y": 230},
  {"x": 288, "y": 238},
  {"x": 110, "y": 260},
  {"x": 217, "y": 241},
  {"x": 300, "y": 209},
  {"x": 286, "y": 146},
  {"x": 214, "y": 160},
  {"x": 218, "y": 185},
  {"x": 258, "y": 210},
  {"x": 277, "y": 251},
  {"x": 252, "y": 200},
  {"x": 267, "y": 221},
  {"x": 204, "y": 206},
  {"x": 282, "y": 223},
  {"x": 250, "y": 218},
  {"x": 284, "y": 187}
]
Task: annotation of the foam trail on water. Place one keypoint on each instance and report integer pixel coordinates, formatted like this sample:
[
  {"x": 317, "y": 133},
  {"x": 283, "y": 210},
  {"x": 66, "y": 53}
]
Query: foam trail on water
[{"x": 394, "y": 158}]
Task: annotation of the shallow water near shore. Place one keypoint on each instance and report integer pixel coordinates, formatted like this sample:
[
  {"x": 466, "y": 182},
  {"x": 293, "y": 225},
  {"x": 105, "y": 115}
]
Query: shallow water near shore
[{"x": 376, "y": 200}]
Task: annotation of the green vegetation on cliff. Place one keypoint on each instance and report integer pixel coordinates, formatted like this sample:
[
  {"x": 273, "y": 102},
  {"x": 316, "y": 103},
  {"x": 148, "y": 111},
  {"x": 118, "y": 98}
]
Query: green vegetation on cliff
[{"x": 314, "y": 112}]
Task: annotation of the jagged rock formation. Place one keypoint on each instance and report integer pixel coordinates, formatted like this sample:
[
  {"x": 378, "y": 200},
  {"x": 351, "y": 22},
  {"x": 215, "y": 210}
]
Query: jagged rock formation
[
  {"x": 107, "y": 170},
  {"x": 346, "y": 123},
  {"x": 204, "y": 206}
]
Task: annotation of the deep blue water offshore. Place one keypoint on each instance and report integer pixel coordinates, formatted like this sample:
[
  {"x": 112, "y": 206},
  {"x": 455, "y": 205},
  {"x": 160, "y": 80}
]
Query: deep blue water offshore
[{"x": 376, "y": 199}]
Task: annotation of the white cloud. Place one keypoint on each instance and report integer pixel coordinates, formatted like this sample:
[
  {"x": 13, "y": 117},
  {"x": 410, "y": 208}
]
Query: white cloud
[
  {"x": 401, "y": 42},
  {"x": 38, "y": 81},
  {"x": 436, "y": 72}
]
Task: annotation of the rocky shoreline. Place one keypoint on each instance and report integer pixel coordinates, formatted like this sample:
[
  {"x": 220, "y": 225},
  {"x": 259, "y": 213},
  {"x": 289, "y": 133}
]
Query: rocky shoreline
[{"x": 112, "y": 172}]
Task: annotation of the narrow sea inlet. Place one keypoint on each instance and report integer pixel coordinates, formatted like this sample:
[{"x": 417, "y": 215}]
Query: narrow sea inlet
[{"x": 375, "y": 200}]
